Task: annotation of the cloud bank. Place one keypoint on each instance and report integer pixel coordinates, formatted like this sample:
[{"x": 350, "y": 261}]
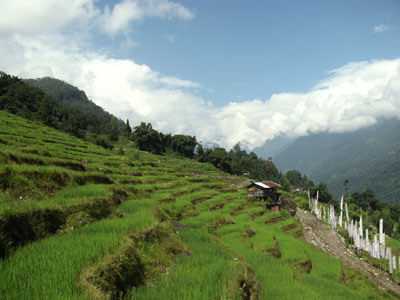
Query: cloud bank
[{"x": 351, "y": 97}]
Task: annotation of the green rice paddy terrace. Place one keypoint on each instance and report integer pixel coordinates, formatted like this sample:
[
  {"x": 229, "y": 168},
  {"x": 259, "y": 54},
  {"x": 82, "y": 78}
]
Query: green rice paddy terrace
[{"x": 81, "y": 222}]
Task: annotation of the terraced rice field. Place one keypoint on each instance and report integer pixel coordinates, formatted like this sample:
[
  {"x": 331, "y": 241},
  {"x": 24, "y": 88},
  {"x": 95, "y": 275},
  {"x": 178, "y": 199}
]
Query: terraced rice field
[{"x": 80, "y": 222}]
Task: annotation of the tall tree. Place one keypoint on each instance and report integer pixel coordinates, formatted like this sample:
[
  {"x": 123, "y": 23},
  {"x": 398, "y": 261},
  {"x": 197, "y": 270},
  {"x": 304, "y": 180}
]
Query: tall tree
[
  {"x": 127, "y": 130},
  {"x": 113, "y": 131},
  {"x": 346, "y": 185}
]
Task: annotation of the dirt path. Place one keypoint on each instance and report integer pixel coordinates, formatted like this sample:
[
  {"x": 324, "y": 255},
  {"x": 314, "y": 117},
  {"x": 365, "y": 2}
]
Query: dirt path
[{"x": 321, "y": 235}]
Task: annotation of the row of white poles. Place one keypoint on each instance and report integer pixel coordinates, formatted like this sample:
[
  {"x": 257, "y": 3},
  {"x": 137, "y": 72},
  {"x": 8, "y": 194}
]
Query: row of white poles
[{"x": 376, "y": 248}]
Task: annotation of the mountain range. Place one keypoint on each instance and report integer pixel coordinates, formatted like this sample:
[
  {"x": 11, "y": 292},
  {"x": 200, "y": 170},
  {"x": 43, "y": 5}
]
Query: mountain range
[{"x": 369, "y": 158}]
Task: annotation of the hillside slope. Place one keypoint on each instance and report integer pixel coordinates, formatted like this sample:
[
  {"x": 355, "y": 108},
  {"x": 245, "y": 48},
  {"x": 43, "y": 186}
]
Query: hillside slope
[
  {"x": 72, "y": 112},
  {"x": 369, "y": 158},
  {"x": 80, "y": 222},
  {"x": 71, "y": 96}
]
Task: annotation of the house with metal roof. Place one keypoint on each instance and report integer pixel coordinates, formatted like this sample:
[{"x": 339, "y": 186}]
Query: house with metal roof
[{"x": 263, "y": 190}]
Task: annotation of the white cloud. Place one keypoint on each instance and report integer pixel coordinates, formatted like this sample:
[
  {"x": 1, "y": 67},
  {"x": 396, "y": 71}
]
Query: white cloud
[
  {"x": 44, "y": 16},
  {"x": 381, "y": 28},
  {"x": 168, "y": 9},
  {"x": 123, "y": 14},
  {"x": 354, "y": 96},
  {"x": 175, "y": 82},
  {"x": 122, "y": 87},
  {"x": 120, "y": 17}
]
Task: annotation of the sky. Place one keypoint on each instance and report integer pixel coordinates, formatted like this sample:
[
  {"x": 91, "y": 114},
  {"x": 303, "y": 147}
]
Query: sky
[{"x": 226, "y": 71}]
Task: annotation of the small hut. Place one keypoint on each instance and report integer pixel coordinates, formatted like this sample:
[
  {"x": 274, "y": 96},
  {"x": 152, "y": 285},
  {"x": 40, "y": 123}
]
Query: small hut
[{"x": 263, "y": 190}]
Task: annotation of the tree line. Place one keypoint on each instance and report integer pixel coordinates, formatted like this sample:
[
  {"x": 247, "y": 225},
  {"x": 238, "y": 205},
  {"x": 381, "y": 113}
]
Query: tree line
[
  {"x": 236, "y": 161},
  {"x": 374, "y": 209}
]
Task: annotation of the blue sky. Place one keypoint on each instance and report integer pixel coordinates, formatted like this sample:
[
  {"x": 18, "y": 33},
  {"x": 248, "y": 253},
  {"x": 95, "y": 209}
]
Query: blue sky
[
  {"x": 239, "y": 50},
  {"x": 224, "y": 71}
]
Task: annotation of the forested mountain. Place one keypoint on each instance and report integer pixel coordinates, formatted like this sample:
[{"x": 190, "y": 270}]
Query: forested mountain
[
  {"x": 73, "y": 97},
  {"x": 58, "y": 105},
  {"x": 368, "y": 158}
]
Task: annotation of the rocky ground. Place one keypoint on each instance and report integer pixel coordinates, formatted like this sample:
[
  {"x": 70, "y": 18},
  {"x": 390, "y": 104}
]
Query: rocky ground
[{"x": 321, "y": 235}]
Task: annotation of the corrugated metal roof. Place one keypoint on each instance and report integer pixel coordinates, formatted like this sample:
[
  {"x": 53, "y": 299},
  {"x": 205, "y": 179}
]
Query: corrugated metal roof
[
  {"x": 266, "y": 184},
  {"x": 271, "y": 184},
  {"x": 262, "y": 184}
]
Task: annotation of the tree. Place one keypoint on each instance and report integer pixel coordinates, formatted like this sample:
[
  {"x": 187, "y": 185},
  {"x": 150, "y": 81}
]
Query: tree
[
  {"x": 127, "y": 130},
  {"x": 104, "y": 142},
  {"x": 395, "y": 212},
  {"x": 346, "y": 184},
  {"x": 387, "y": 221},
  {"x": 294, "y": 178},
  {"x": 307, "y": 183},
  {"x": 324, "y": 194},
  {"x": 220, "y": 159},
  {"x": 148, "y": 139},
  {"x": 200, "y": 154},
  {"x": 184, "y": 144},
  {"x": 365, "y": 200},
  {"x": 240, "y": 162},
  {"x": 113, "y": 131}
]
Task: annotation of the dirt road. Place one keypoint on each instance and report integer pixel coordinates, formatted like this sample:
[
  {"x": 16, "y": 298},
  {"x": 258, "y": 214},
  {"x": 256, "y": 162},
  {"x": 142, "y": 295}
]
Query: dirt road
[{"x": 321, "y": 235}]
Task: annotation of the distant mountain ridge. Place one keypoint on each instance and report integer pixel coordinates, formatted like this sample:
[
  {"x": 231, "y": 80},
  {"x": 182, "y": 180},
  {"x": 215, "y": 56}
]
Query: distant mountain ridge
[
  {"x": 272, "y": 147},
  {"x": 369, "y": 158}
]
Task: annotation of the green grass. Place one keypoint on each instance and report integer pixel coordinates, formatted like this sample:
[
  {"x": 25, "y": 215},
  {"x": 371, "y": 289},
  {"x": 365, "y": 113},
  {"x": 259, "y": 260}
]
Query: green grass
[
  {"x": 48, "y": 269},
  {"x": 62, "y": 199},
  {"x": 233, "y": 247},
  {"x": 215, "y": 276}
]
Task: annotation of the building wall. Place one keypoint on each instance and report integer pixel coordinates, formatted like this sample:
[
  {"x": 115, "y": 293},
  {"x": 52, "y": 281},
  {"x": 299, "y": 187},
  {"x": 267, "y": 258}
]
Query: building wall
[
  {"x": 255, "y": 191},
  {"x": 275, "y": 208}
]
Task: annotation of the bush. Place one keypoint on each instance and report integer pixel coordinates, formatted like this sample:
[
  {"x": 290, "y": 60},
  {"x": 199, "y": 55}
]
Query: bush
[
  {"x": 120, "y": 151},
  {"x": 103, "y": 142}
]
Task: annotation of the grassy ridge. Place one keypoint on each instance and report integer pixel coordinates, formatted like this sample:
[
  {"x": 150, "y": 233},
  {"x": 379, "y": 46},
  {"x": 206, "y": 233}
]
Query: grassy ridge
[{"x": 117, "y": 232}]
